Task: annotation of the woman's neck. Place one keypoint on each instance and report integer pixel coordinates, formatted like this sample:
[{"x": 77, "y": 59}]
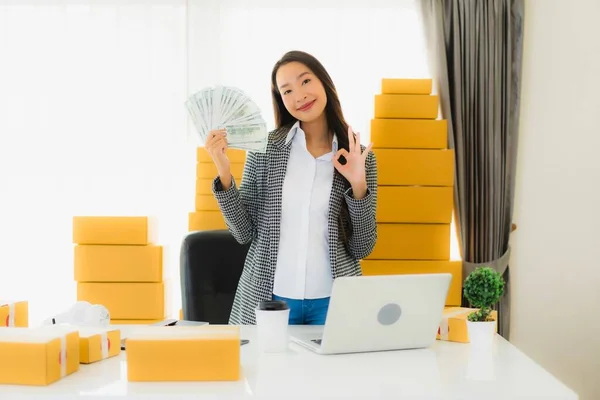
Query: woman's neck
[{"x": 316, "y": 132}]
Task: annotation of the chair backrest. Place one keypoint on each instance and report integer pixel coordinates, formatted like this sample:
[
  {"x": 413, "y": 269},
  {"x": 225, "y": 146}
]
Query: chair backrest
[{"x": 211, "y": 263}]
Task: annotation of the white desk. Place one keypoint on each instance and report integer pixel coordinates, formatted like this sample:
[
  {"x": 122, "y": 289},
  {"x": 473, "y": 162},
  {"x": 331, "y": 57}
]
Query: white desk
[{"x": 444, "y": 371}]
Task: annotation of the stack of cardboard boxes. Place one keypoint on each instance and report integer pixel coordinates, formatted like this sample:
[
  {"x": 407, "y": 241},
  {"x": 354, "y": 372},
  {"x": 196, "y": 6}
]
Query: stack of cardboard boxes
[
  {"x": 118, "y": 266},
  {"x": 206, "y": 215},
  {"x": 415, "y": 185}
]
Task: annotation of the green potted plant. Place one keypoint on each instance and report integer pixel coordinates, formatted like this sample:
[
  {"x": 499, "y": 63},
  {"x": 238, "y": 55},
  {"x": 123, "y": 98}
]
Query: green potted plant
[{"x": 483, "y": 288}]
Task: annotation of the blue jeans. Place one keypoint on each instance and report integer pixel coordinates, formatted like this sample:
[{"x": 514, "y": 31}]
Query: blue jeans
[{"x": 307, "y": 311}]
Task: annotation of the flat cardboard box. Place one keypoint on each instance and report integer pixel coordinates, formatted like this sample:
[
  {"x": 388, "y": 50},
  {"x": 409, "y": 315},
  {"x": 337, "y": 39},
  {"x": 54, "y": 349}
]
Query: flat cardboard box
[
  {"x": 206, "y": 221},
  {"x": 391, "y": 133},
  {"x": 208, "y": 170},
  {"x": 415, "y": 204},
  {"x": 406, "y": 106},
  {"x": 453, "y": 326},
  {"x": 408, "y": 167},
  {"x": 204, "y": 186},
  {"x": 14, "y": 314},
  {"x": 38, "y": 356},
  {"x": 406, "y": 86},
  {"x": 117, "y": 230},
  {"x": 206, "y": 202},
  {"x": 412, "y": 242},
  {"x": 96, "y": 344},
  {"x": 186, "y": 353},
  {"x": 126, "y": 300},
  {"x": 124, "y": 263},
  {"x": 234, "y": 155}
]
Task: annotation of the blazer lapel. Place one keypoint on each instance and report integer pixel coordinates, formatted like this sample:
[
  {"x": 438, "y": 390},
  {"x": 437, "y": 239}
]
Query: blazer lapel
[
  {"x": 277, "y": 164},
  {"x": 335, "y": 205}
]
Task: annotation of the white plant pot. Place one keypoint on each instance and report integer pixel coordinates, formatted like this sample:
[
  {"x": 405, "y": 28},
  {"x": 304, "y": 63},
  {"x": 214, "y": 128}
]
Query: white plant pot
[{"x": 481, "y": 334}]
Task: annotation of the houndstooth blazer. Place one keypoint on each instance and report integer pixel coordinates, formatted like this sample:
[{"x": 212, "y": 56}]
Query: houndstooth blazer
[{"x": 252, "y": 212}]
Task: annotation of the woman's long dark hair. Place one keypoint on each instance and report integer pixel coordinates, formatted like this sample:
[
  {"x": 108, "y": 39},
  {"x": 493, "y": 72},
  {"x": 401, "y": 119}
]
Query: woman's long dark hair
[{"x": 333, "y": 112}]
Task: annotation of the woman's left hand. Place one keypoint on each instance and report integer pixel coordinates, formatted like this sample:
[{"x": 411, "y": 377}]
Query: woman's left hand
[{"x": 354, "y": 168}]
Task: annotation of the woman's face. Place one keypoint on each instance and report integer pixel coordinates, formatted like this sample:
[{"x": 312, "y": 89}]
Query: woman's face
[{"x": 301, "y": 91}]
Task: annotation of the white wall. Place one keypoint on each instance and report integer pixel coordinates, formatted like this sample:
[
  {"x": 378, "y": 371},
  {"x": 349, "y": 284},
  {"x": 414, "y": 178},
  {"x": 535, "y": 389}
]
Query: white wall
[{"x": 556, "y": 248}]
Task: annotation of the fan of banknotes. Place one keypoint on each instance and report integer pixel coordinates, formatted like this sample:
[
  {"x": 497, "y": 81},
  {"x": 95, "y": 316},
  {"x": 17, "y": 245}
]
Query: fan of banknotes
[{"x": 229, "y": 108}]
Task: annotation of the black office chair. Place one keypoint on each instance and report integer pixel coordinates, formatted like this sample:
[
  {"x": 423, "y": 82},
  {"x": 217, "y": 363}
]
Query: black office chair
[{"x": 211, "y": 263}]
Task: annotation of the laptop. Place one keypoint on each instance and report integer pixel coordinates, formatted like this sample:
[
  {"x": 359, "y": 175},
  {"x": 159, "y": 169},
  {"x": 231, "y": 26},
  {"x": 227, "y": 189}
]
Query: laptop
[{"x": 380, "y": 313}]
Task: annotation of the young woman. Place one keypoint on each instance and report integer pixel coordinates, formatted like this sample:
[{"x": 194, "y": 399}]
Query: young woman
[{"x": 307, "y": 205}]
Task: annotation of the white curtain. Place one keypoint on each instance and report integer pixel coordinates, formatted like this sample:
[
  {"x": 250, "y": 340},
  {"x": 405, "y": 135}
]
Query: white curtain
[{"x": 92, "y": 120}]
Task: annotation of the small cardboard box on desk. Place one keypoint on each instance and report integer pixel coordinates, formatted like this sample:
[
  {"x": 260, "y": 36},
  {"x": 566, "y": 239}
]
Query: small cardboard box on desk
[
  {"x": 453, "y": 327},
  {"x": 184, "y": 353},
  {"x": 38, "y": 356},
  {"x": 14, "y": 314},
  {"x": 96, "y": 344}
]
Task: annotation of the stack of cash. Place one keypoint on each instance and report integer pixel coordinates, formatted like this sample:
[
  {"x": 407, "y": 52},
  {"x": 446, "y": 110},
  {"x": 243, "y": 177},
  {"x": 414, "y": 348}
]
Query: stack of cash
[{"x": 229, "y": 108}]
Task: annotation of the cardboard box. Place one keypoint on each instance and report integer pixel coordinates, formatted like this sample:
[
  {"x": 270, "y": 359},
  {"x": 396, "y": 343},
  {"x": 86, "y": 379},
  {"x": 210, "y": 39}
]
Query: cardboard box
[
  {"x": 409, "y": 133},
  {"x": 234, "y": 155},
  {"x": 406, "y": 106},
  {"x": 415, "y": 204},
  {"x": 111, "y": 230},
  {"x": 406, "y": 86},
  {"x": 412, "y": 242},
  {"x": 206, "y": 202},
  {"x": 453, "y": 326},
  {"x": 186, "y": 353},
  {"x": 405, "y": 167},
  {"x": 125, "y": 263},
  {"x": 208, "y": 170},
  {"x": 204, "y": 186},
  {"x": 400, "y": 267},
  {"x": 126, "y": 300},
  {"x": 38, "y": 356},
  {"x": 206, "y": 221},
  {"x": 14, "y": 314},
  {"x": 96, "y": 344}
]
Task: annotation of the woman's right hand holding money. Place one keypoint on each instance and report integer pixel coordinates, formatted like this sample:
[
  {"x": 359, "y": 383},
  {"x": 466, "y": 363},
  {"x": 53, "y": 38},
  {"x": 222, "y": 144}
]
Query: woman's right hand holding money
[{"x": 216, "y": 145}]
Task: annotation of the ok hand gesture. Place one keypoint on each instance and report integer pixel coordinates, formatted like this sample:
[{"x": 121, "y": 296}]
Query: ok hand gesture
[{"x": 354, "y": 168}]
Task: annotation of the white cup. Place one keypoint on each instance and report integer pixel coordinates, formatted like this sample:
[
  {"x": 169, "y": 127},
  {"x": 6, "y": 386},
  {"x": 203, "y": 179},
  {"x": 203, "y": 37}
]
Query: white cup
[{"x": 272, "y": 317}]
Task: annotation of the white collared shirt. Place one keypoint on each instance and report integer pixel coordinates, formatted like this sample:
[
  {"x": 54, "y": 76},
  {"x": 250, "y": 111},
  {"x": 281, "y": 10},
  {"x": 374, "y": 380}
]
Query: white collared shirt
[{"x": 303, "y": 266}]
